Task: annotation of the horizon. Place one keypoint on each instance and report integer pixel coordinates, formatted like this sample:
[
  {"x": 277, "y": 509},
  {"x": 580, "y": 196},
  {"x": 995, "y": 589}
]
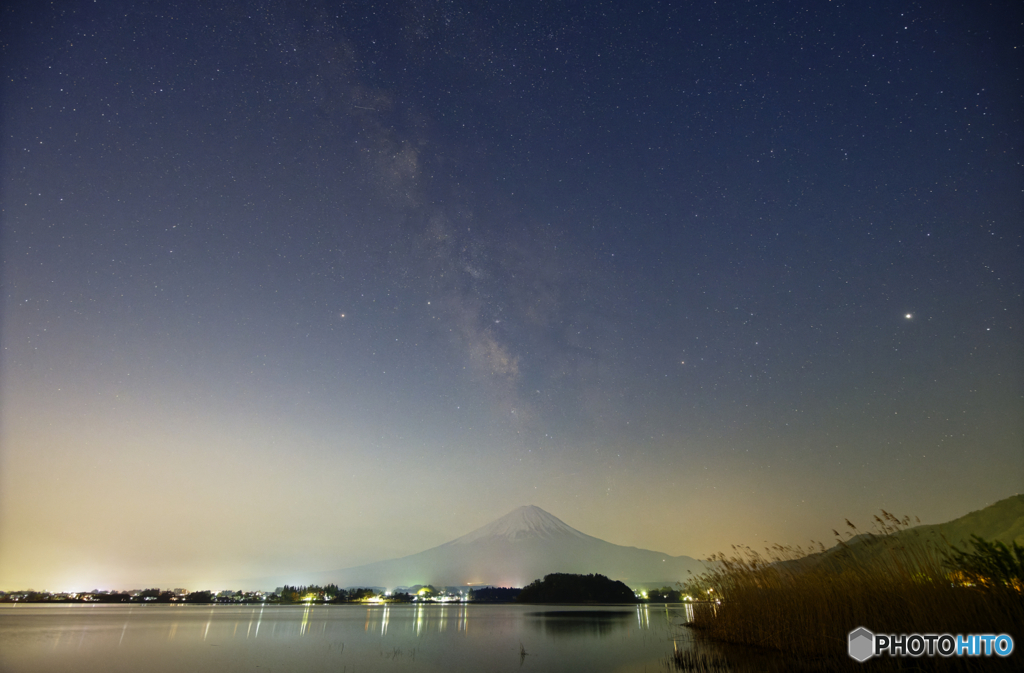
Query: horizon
[
  {"x": 318, "y": 285},
  {"x": 249, "y": 584}
]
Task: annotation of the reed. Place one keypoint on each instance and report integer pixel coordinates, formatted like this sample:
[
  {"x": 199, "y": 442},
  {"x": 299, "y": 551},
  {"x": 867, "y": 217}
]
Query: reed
[{"x": 890, "y": 581}]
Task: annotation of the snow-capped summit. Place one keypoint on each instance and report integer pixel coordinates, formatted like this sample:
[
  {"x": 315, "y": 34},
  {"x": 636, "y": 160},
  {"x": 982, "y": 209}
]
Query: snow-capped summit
[
  {"x": 524, "y": 545},
  {"x": 522, "y": 523}
]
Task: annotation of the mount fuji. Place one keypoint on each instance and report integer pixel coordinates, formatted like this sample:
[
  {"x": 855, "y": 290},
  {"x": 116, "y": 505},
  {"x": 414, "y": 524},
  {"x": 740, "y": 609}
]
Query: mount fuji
[{"x": 525, "y": 544}]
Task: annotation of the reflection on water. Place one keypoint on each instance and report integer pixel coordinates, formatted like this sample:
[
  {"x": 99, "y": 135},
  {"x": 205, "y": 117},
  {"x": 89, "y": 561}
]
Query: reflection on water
[
  {"x": 573, "y": 623},
  {"x": 263, "y": 638}
]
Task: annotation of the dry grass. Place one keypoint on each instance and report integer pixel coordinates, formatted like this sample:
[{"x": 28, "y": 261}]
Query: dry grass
[{"x": 804, "y": 605}]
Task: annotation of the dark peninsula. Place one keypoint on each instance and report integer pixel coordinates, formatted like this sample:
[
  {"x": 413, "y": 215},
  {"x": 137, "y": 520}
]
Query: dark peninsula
[{"x": 568, "y": 588}]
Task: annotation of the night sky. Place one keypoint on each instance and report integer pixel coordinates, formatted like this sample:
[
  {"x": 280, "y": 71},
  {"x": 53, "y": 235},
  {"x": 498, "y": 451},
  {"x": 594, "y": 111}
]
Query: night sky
[{"x": 299, "y": 286}]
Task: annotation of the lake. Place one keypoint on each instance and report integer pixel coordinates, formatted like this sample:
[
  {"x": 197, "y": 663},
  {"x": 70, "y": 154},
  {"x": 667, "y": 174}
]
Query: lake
[{"x": 339, "y": 638}]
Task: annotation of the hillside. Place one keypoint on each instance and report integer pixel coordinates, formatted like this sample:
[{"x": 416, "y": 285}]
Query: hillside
[{"x": 1002, "y": 521}]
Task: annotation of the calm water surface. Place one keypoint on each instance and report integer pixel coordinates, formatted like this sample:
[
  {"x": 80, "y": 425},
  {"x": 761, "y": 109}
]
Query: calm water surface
[{"x": 338, "y": 638}]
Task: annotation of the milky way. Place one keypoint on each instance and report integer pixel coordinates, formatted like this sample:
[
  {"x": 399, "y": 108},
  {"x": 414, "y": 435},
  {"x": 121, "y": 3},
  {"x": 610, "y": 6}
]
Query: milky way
[{"x": 312, "y": 286}]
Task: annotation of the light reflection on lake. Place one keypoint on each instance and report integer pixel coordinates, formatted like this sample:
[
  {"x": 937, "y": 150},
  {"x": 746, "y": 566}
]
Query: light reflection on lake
[{"x": 338, "y": 638}]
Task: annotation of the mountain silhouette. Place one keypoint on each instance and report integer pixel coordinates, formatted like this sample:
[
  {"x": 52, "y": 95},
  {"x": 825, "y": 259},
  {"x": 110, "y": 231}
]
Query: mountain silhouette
[
  {"x": 1002, "y": 521},
  {"x": 524, "y": 545}
]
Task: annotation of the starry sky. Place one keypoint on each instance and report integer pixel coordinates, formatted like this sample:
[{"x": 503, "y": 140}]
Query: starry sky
[{"x": 299, "y": 286}]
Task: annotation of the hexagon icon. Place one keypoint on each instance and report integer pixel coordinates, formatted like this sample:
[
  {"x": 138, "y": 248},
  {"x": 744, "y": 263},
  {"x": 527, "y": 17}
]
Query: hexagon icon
[{"x": 862, "y": 644}]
